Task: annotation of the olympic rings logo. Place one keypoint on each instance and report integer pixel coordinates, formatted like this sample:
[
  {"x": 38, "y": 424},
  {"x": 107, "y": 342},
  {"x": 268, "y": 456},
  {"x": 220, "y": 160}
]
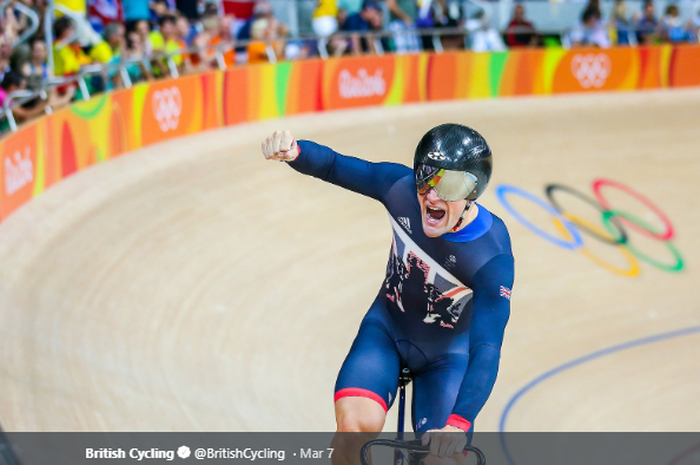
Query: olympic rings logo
[
  {"x": 613, "y": 230},
  {"x": 591, "y": 70},
  {"x": 167, "y": 107}
]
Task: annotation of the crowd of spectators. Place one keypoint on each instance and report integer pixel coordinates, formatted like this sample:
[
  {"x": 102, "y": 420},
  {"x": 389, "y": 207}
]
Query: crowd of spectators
[{"x": 149, "y": 39}]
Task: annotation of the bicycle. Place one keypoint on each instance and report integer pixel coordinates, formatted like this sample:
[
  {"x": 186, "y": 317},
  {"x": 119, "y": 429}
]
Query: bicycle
[{"x": 416, "y": 451}]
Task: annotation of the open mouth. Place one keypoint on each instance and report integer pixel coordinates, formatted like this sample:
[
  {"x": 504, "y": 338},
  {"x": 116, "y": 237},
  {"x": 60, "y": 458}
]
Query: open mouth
[{"x": 434, "y": 214}]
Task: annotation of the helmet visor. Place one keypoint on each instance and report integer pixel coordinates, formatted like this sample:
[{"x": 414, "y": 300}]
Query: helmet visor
[{"x": 449, "y": 185}]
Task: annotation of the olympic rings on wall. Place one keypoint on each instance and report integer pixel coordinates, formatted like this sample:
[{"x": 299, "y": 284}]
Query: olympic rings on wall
[{"x": 611, "y": 232}]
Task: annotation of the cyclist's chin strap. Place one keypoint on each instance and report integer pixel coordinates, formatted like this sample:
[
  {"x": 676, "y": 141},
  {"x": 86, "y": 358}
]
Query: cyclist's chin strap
[{"x": 461, "y": 218}]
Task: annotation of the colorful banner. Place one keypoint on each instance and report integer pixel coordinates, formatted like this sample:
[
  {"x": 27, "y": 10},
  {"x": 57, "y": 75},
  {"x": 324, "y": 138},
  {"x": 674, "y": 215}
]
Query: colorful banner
[{"x": 52, "y": 148}]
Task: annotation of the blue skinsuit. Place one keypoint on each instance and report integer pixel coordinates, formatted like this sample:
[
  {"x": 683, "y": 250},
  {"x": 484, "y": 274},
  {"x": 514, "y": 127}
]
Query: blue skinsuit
[{"x": 443, "y": 306}]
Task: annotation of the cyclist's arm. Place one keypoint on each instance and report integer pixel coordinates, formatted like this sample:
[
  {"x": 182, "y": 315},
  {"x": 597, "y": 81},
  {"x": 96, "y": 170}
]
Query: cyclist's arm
[
  {"x": 367, "y": 178},
  {"x": 491, "y": 309}
]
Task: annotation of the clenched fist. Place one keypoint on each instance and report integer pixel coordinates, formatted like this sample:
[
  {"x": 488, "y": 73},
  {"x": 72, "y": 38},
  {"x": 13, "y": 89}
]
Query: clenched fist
[{"x": 281, "y": 145}]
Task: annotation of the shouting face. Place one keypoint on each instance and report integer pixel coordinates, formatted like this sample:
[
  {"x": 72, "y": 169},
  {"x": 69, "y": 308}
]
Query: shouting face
[{"x": 440, "y": 216}]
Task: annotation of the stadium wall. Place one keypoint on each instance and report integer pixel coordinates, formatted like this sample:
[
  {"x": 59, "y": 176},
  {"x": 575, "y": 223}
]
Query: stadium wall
[{"x": 52, "y": 148}]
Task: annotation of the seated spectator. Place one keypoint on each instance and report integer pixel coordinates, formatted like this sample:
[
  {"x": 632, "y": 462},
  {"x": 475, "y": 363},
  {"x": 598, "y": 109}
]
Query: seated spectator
[
  {"x": 369, "y": 19},
  {"x": 647, "y": 26},
  {"x": 37, "y": 62},
  {"x": 673, "y": 28},
  {"x": 185, "y": 30},
  {"x": 441, "y": 14},
  {"x": 68, "y": 54},
  {"x": 135, "y": 49},
  {"x": 261, "y": 9},
  {"x": 165, "y": 40},
  {"x": 621, "y": 25},
  {"x": 115, "y": 35},
  {"x": 402, "y": 22},
  {"x": 266, "y": 32},
  {"x": 483, "y": 37},
  {"x": 6, "y": 41},
  {"x": 590, "y": 32},
  {"x": 222, "y": 36},
  {"x": 520, "y": 32},
  {"x": 143, "y": 28},
  {"x": 14, "y": 81},
  {"x": 347, "y": 8}
]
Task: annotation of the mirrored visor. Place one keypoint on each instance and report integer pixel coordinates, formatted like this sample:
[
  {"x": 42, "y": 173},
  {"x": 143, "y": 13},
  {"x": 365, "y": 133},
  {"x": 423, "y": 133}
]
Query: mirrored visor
[{"x": 449, "y": 185}]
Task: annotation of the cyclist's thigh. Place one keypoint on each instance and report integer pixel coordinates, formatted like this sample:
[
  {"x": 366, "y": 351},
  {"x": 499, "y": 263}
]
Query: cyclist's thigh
[
  {"x": 435, "y": 391},
  {"x": 372, "y": 366}
]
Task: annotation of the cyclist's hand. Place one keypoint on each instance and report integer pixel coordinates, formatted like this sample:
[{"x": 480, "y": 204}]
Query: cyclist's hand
[
  {"x": 281, "y": 145},
  {"x": 445, "y": 442}
]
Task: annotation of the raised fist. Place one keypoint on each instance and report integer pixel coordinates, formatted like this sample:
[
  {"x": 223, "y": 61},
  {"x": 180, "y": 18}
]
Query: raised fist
[{"x": 281, "y": 145}]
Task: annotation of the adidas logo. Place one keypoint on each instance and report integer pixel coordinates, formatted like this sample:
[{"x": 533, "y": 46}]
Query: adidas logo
[
  {"x": 404, "y": 221},
  {"x": 451, "y": 260}
]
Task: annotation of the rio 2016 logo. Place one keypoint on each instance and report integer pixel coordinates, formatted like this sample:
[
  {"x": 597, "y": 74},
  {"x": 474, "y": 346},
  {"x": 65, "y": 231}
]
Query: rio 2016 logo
[
  {"x": 18, "y": 172},
  {"x": 614, "y": 230},
  {"x": 167, "y": 108},
  {"x": 361, "y": 86}
]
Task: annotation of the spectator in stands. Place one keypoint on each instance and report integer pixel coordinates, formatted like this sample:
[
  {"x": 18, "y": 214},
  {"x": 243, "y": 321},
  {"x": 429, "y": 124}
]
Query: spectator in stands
[
  {"x": 115, "y": 35},
  {"x": 262, "y": 9},
  {"x": 347, "y": 8},
  {"x": 648, "y": 25},
  {"x": 441, "y": 14},
  {"x": 222, "y": 36},
  {"x": 36, "y": 72},
  {"x": 14, "y": 81},
  {"x": 621, "y": 25},
  {"x": 6, "y": 41},
  {"x": 37, "y": 63},
  {"x": 403, "y": 14},
  {"x": 143, "y": 28},
  {"x": 673, "y": 28},
  {"x": 266, "y": 31},
  {"x": 168, "y": 41},
  {"x": 591, "y": 31},
  {"x": 520, "y": 32},
  {"x": 186, "y": 30},
  {"x": 369, "y": 19},
  {"x": 482, "y": 36},
  {"x": 325, "y": 18},
  {"x": 135, "y": 49},
  {"x": 67, "y": 52}
]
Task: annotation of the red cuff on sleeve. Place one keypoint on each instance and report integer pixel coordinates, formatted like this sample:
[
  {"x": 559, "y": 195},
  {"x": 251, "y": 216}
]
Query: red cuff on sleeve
[{"x": 459, "y": 422}]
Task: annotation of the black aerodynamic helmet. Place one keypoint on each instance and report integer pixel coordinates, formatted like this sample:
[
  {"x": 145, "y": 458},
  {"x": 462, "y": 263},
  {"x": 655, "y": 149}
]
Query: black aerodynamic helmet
[{"x": 453, "y": 159}]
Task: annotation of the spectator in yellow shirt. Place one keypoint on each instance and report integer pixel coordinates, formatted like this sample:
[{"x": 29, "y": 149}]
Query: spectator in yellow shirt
[
  {"x": 325, "y": 18},
  {"x": 68, "y": 55}
]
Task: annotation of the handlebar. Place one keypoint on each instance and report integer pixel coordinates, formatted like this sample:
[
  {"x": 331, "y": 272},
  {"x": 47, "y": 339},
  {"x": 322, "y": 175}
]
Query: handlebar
[{"x": 417, "y": 451}]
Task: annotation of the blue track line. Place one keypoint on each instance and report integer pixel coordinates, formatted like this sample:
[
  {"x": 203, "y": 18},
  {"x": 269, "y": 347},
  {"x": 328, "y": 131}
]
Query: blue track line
[{"x": 579, "y": 361}]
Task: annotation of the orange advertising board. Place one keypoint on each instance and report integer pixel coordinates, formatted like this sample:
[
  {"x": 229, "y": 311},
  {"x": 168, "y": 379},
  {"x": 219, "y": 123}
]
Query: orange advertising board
[
  {"x": 19, "y": 170},
  {"x": 169, "y": 109}
]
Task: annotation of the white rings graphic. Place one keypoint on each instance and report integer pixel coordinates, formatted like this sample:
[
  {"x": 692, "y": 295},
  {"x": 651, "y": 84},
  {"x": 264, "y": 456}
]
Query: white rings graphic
[
  {"x": 591, "y": 70},
  {"x": 167, "y": 107}
]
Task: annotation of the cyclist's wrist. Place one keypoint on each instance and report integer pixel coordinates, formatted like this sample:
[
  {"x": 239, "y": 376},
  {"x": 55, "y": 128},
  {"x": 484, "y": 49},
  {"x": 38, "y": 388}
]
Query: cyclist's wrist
[{"x": 459, "y": 422}]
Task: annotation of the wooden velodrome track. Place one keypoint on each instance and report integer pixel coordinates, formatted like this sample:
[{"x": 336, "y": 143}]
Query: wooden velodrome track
[{"x": 192, "y": 286}]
